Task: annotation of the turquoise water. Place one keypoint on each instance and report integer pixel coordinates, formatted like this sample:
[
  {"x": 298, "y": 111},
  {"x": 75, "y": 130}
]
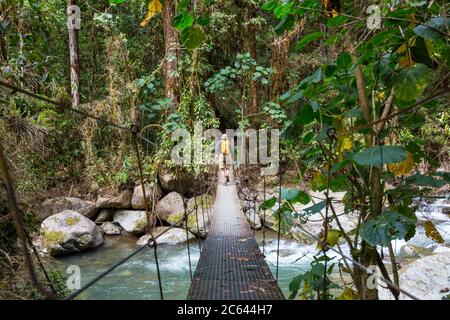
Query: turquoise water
[{"x": 137, "y": 278}]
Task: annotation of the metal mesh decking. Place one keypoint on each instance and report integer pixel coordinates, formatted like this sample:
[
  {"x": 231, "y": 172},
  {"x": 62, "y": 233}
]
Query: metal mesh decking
[{"x": 231, "y": 266}]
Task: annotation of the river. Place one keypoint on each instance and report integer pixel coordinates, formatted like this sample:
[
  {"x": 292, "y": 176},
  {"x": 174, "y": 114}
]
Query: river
[{"x": 137, "y": 278}]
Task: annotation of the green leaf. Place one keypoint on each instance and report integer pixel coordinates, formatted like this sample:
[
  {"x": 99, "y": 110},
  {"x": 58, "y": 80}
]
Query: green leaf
[
  {"x": 203, "y": 20},
  {"x": 426, "y": 32},
  {"x": 268, "y": 204},
  {"x": 294, "y": 196},
  {"x": 315, "y": 208},
  {"x": 183, "y": 4},
  {"x": 182, "y": 21},
  {"x": 378, "y": 155},
  {"x": 116, "y": 1},
  {"x": 305, "y": 115},
  {"x": 388, "y": 226},
  {"x": 413, "y": 121},
  {"x": 336, "y": 21},
  {"x": 270, "y": 5},
  {"x": 192, "y": 37},
  {"x": 308, "y": 39},
  {"x": 411, "y": 82},
  {"x": 285, "y": 23},
  {"x": 425, "y": 181},
  {"x": 344, "y": 60}
]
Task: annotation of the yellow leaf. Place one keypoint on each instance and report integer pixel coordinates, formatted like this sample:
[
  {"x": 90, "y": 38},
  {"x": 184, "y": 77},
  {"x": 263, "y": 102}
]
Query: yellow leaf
[
  {"x": 332, "y": 239},
  {"x": 432, "y": 233},
  {"x": 317, "y": 181},
  {"x": 154, "y": 7},
  {"x": 348, "y": 294},
  {"x": 344, "y": 143},
  {"x": 381, "y": 95},
  {"x": 403, "y": 167},
  {"x": 306, "y": 290}
]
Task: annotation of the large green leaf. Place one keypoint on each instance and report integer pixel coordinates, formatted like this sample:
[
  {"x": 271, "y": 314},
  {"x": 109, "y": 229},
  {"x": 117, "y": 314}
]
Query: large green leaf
[
  {"x": 426, "y": 181},
  {"x": 294, "y": 196},
  {"x": 182, "y": 21},
  {"x": 308, "y": 39},
  {"x": 192, "y": 37},
  {"x": 315, "y": 208},
  {"x": 388, "y": 226},
  {"x": 378, "y": 155},
  {"x": 411, "y": 82},
  {"x": 305, "y": 115},
  {"x": 430, "y": 30}
]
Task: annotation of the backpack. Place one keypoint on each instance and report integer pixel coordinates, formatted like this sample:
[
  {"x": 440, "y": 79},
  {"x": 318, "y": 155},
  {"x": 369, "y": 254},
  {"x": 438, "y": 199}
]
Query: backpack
[{"x": 225, "y": 146}]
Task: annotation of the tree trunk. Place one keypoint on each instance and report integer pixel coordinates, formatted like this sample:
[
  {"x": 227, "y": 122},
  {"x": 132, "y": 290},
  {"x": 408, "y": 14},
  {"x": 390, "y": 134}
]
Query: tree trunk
[
  {"x": 171, "y": 50},
  {"x": 74, "y": 62},
  {"x": 368, "y": 255},
  {"x": 251, "y": 44},
  {"x": 279, "y": 57},
  {"x": 3, "y": 52}
]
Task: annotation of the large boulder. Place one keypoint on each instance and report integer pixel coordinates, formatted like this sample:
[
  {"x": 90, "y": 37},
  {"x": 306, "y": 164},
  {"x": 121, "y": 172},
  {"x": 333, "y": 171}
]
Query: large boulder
[
  {"x": 132, "y": 221},
  {"x": 253, "y": 218},
  {"x": 152, "y": 191},
  {"x": 180, "y": 182},
  {"x": 122, "y": 201},
  {"x": 104, "y": 215},
  {"x": 54, "y": 205},
  {"x": 68, "y": 231},
  {"x": 172, "y": 236},
  {"x": 198, "y": 220},
  {"x": 111, "y": 229},
  {"x": 426, "y": 278},
  {"x": 170, "y": 205}
]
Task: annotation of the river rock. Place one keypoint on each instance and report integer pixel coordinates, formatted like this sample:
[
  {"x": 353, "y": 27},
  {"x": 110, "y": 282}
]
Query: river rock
[
  {"x": 52, "y": 206},
  {"x": 122, "y": 201},
  {"x": 152, "y": 191},
  {"x": 197, "y": 222},
  {"x": 132, "y": 221},
  {"x": 104, "y": 215},
  {"x": 425, "y": 278},
  {"x": 169, "y": 181},
  {"x": 68, "y": 231},
  {"x": 111, "y": 229},
  {"x": 172, "y": 236},
  {"x": 247, "y": 205},
  {"x": 170, "y": 205},
  {"x": 253, "y": 218}
]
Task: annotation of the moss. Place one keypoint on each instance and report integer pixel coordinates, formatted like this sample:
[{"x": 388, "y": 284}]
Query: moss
[
  {"x": 54, "y": 236},
  {"x": 174, "y": 218},
  {"x": 70, "y": 221},
  {"x": 141, "y": 224}
]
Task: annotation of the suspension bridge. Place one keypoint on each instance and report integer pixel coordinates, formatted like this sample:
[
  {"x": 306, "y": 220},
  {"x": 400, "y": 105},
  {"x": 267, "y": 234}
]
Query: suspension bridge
[{"x": 231, "y": 266}]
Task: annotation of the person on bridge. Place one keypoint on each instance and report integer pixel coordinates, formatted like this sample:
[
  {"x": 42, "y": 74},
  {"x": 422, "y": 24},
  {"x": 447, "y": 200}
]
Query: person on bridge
[{"x": 224, "y": 156}]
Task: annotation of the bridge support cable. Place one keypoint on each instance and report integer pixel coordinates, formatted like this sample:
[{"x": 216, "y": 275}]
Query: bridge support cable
[
  {"x": 264, "y": 215},
  {"x": 279, "y": 226}
]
